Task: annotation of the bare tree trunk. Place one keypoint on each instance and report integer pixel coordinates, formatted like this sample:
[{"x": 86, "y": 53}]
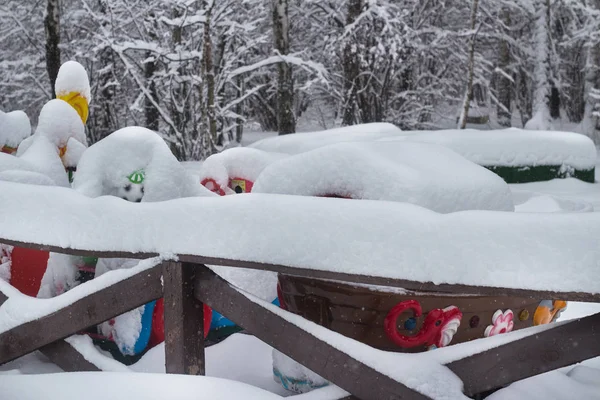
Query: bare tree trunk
[
  {"x": 591, "y": 122},
  {"x": 151, "y": 113},
  {"x": 504, "y": 87},
  {"x": 239, "y": 109},
  {"x": 351, "y": 68},
  {"x": 462, "y": 122},
  {"x": 52, "y": 29},
  {"x": 286, "y": 121},
  {"x": 541, "y": 119},
  {"x": 209, "y": 80}
]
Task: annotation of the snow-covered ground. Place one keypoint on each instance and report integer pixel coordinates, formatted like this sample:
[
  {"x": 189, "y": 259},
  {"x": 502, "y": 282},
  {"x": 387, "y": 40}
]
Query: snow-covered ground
[{"x": 247, "y": 360}]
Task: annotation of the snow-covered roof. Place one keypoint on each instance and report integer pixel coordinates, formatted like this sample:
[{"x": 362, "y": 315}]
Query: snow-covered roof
[
  {"x": 431, "y": 176},
  {"x": 505, "y": 147},
  {"x": 512, "y": 147},
  {"x": 239, "y": 162},
  {"x": 107, "y": 164},
  {"x": 305, "y": 141},
  {"x": 72, "y": 77},
  {"x": 14, "y": 127},
  {"x": 396, "y": 240}
]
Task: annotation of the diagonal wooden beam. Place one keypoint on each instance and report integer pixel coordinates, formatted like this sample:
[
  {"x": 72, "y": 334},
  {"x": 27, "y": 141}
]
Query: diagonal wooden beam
[
  {"x": 555, "y": 348},
  {"x": 334, "y": 365},
  {"x": 63, "y": 354},
  {"x": 91, "y": 310}
]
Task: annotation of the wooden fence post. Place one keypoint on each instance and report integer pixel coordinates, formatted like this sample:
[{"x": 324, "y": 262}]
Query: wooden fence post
[{"x": 184, "y": 321}]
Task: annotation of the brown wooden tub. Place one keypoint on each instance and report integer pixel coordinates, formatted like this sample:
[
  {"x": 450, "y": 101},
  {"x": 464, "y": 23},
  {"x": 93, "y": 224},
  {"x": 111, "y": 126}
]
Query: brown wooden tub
[{"x": 406, "y": 321}]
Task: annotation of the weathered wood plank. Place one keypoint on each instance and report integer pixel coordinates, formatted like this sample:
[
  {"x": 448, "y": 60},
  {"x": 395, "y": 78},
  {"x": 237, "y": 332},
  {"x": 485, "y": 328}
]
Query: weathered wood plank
[
  {"x": 558, "y": 347},
  {"x": 66, "y": 357},
  {"x": 394, "y": 282},
  {"x": 184, "y": 321},
  {"x": 344, "y": 277},
  {"x": 353, "y": 376},
  {"x": 91, "y": 310},
  {"x": 63, "y": 354}
]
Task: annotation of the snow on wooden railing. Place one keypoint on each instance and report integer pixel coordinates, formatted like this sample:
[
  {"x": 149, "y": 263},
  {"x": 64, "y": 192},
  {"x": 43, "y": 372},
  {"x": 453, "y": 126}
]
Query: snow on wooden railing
[
  {"x": 389, "y": 242},
  {"x": 353, "y": 366}
]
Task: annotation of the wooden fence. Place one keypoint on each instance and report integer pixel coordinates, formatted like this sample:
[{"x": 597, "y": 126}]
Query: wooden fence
[{"x": 188, "y": 283}]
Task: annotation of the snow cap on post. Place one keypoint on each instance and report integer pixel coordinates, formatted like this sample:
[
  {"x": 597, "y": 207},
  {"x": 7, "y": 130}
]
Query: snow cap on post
[{"x": 73, "y": 86}]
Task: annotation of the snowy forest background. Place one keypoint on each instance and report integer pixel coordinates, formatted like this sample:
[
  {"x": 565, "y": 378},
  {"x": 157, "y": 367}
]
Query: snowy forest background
[{"x": 200, "y": 71}]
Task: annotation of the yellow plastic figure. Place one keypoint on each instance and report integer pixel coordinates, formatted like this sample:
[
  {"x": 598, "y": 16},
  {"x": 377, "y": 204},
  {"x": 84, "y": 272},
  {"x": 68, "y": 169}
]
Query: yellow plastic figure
[{"x": 78, "y": 102}]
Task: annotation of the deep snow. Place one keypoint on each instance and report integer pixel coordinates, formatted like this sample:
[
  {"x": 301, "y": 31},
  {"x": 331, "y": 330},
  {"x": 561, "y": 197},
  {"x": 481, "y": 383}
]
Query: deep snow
[{"x": 245, "y": 359}]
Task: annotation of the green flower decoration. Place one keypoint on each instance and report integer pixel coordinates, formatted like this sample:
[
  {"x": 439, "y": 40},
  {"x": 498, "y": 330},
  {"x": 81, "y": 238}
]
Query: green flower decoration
[{"x": 137, "y": 177}]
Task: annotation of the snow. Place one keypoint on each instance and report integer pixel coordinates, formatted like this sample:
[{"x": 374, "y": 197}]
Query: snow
[
  {"x": 125, "y": 386},
  {"x": 240, "y": 357},
  {"x": 532, "y": 203},
  {"x": 427, "y": 175},
  {"x": 513, "y": 147},
  {"x": 104, "y": 168},
  {"x": 515, "y": 250},
  {"x": 239, "y": 162},
  {"x": 580, "y": 382},
  {"x": 39, "y": 158},
  {"x": 72, "y": 77},
  {"x": 305, "y": 141},
  {"x": 14, "y": 127},
  {"x": 504, "y": 147},
  {"x": 39, "y": 164},
  {"x": 59, "y": 122}
]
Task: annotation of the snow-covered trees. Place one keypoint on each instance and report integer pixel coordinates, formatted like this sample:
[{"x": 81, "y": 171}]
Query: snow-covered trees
[{"x": 199, "y": 71}]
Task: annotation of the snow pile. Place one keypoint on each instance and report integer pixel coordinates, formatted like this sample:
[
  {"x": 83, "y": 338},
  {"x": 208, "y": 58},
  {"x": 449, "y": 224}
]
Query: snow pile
[
  {"x": 547, "y": 203},
  {"x": 580, "y": 382},
  {"x": 506, "y": 147},
  {"x": 512, "y": 147},
  {"x": 106, "y": 166},
  {"x": 300, "y": 142},
  {"x": 428, "y": 175},
  {"x": 14, "y": 127},
  {"x": 72, "y": 77},
  {"x": 58, "y": 122},
  {"x": 395, "y": 240},
  {"x": 41, "y": 159},
  {"x": 239, "y": 162},
  {"x": 126, "y": 386}
]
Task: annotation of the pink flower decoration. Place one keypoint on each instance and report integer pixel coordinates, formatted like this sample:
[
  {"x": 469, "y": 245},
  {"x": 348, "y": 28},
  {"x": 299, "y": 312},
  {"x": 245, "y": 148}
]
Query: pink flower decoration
[{"x": 502, "y": 322}]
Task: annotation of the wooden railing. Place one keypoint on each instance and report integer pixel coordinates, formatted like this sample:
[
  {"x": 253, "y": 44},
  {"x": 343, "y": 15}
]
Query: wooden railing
[{"x": 187, "y": 283}]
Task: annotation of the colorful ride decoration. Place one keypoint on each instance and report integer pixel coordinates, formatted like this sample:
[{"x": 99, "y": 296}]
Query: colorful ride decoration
[
  {"x": 437, "y": 330},
  {"x": 548, "y": 311},
  {"x": 502, "y": 322},
  {"x": 234, "y": 186},
  {"x": 27, "y": 269},
  {"x": 409, "y": 321},
  {"x": 8, "y": 150}
]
